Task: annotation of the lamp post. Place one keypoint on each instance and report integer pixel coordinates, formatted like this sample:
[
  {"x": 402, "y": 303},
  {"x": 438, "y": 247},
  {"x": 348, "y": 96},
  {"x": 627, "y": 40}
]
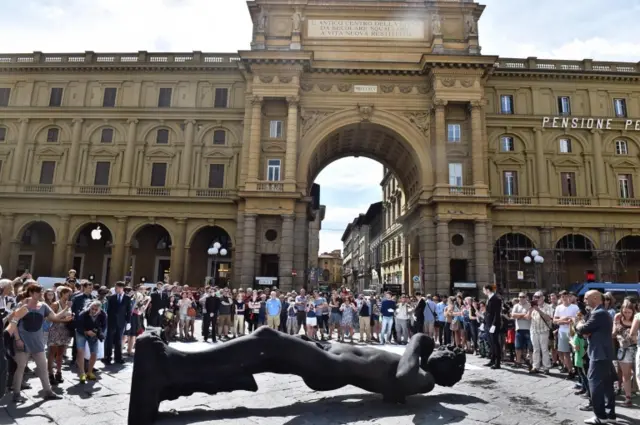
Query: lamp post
[
  {"x": 215, "y": 251},
  {"x": 537, "y": 260}
]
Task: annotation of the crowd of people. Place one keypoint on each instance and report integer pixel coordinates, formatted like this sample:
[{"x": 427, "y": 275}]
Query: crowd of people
[{"x": 533, "y": 331}]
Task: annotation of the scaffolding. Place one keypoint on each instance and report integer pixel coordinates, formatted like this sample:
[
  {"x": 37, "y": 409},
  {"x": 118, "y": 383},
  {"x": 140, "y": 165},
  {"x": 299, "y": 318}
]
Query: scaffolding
[{"x": 609, "y": 264}]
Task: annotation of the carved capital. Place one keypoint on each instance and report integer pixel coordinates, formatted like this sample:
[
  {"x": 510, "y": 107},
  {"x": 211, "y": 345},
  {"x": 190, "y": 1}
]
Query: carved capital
[
  {"x": 181, "y": 221},
  {"x": 65, "y": 217},
  {"x": 288, "y": 217},
  {"x": 77, "y": 120},
  {"x": 132, "y": 121},
  {"x": 476, "y": 105},
  {"x": 439, "y": 103},
  {"x": 121, "y": 219},
  {"x": 596, "y": 131},
  {"x": 190, "y": 122},
  {"x": 293, "y": 101},
  {"x": 23, "y": 120},
  {"x": 256, "y": 100}
]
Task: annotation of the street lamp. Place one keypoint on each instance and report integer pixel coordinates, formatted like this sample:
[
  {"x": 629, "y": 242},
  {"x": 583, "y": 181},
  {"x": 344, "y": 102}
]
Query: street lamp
[
  {"x": 215, "y": 251},
  {"x": 537, "y": 260}
]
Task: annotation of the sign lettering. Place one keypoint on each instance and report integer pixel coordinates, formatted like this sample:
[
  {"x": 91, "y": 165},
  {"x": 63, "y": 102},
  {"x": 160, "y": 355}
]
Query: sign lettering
[
  {"x": 407, "y": 30},
  {"x": 365, "y": 89},
  {"x": 588, "y": 123}
]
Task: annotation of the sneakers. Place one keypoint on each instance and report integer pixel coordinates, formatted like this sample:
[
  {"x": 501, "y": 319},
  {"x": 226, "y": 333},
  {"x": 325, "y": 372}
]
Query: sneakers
[
  {"x": 83, "y": 378},
  {"x": 52, "y": 396}
]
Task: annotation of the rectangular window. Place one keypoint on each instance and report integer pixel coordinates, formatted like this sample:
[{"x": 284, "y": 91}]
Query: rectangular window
[
  {"x": 222, "y": 98},
  {"x": 455, "y": 174},
  {"x": 164, "y": 97},
  {"x": 510, "y": 183},
  {"x": 568, "y": 181},
  {"x": 506, "y": 144},
  {"x": 275, "y": 129},
  {"x": 5, "y": 93},
  {"x": 219, "y": 137},
  {"x": 216, "y": 176},
  {"x": 620, "y": 107},
  {"x": 3, "y": 134},
  {"x": 103, "y": 168},
  {"x": 621, "y": 147},
  {"x": 109, "y": 99},
  {"x": 565, "y": 145},
  {"x": 107, "y": 135},
  {"x": 55, "y": 99},
  {"x": 158, "y": 174},
  {"x": 52, "y": 135},
  {"x": 47, "y": 171},
  {"x": 506, "y": 104},
  {"x": 625, "y": 186},
  {"x": 564, "y": 105},
  {"x": 273, "y": 170},
  {"x": 453, "y": 132},
  {"x": 162, "y": 136}
]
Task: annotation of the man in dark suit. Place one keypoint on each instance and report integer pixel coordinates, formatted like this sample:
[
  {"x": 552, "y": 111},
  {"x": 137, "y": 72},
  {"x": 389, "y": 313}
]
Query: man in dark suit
[
  {"x": 118, "y": 320},
  {"x": 597, "y": 329},
  {"x": 211, "y": 311},
  {"x": 493, "y": 325},
  {"x": 159, "y": 301}
]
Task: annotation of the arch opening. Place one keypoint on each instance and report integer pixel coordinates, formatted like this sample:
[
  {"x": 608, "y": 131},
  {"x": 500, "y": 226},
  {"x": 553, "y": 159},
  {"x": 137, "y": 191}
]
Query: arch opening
[
  {"x": 575, "y": 258},
  {"x": 215, "y": 266},
  {"x": 150, "y": 259},
  {"x": 628, "y": 260},
  {"x": 373, "y": 141},
  {"x": 512, "y": 272},
  {"x": 92, "y": 253},
  {"x": 37, "y": 243}
]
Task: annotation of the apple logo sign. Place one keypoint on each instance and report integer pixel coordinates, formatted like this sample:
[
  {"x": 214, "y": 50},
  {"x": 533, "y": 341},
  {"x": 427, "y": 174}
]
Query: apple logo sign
[{"x": 96, "y": 234}]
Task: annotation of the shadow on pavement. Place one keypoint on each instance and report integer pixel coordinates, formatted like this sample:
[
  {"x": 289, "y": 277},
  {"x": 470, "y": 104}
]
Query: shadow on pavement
[{"x": 356, "y": 407}]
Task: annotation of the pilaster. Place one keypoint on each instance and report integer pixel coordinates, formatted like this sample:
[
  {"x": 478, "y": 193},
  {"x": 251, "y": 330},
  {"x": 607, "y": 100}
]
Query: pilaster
[
  {"x": 443, "y": 259},
  {"x": 118, "y": 257},
  {"x": 477, "y": 145},
  {"x": 60, "y": 249},
  {"x": 72, "y": 164},
  {"x": 17, "y": 164},
  {"x": 481, "y": 253},
  {"x": 129, "y": 153},
  {"x": 186, "y": 167},
  {"x": 254, "y": 141},
  {"x": 178, "y": 251},
  {"x": 600, "y": 177},
  {"x": 292, "y": 139},
  {"x": 286, "y": 253},
  {"x": 8, "y": 221},
  {"x": 541, "y": 174},
  {"x": 300, "y": 250},
  {"x": 441, "y": 164},
  {"x": 249, "y": 251}
]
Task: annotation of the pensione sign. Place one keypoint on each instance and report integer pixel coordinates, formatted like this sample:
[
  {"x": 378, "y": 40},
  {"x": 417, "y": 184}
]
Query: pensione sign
[{"x": 589, "y": 123}]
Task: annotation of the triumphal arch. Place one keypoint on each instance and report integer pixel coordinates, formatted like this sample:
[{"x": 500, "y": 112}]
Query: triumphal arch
[{"x": 375, "y": 79}]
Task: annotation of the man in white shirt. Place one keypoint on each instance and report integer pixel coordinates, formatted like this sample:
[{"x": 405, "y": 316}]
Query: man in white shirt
[
  {"x": 520, "y": 313},
  {"x": 563, "y": 317}
]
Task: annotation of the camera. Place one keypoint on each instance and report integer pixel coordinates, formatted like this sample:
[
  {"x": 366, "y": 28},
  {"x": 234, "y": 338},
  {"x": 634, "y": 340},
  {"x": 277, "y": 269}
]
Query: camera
[{"x": 99, "y": 334}]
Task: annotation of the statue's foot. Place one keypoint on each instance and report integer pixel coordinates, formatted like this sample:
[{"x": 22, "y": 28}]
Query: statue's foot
[
  {"x": 446, "y": 364},
  {"x": 146, "y": 383}
]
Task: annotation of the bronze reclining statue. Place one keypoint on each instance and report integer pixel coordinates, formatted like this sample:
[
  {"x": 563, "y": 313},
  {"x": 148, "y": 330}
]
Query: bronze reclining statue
[{"x": 164, "y": 373}]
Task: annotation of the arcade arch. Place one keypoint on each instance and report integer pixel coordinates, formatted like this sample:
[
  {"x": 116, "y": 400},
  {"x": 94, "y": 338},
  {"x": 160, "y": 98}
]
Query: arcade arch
[
  {"x": 92, "y": 253},
  {"x": 202, "y": 265},
  {"x": 37, "y": 241},
  {"x": 150, "y": 254},
  {"x": 575, "y": 256},
  {"x": 509, "y": 252},
  {"x": 628, "y": 250}
]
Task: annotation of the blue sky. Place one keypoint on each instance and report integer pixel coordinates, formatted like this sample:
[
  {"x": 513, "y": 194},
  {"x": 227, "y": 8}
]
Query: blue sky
[{"x": 567, "y": 29}]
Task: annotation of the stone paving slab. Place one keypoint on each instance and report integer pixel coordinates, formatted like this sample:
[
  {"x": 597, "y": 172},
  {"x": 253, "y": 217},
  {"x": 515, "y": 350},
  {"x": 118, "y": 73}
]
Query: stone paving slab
[{"x": 484, "y": 396}]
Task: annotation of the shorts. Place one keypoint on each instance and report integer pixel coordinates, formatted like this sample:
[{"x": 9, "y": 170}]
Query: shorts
[
  {"x": 563, "y": 342},
  {"x": 312, "y": 321},
  {"x": 82, "y": 341},
  {"x": 321, "y": 320},
  {"x": 224, "y": 320},
  {"x": 627, "y": 355},
  {"x": 429, "y": 327},
  {"x": 523, "y": 340}
]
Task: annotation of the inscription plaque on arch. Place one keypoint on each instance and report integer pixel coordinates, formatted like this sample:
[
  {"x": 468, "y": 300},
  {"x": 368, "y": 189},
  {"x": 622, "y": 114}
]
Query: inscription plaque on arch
[{"x": 369, "y": 29}]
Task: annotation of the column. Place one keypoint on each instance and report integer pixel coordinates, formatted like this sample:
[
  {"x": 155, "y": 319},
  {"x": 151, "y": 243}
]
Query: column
[
  {"x": 292, "y": 139},
  {"x": 286, "y": 253},
  {"x": 178, "y": 251},
  {"x": 300, "y": 250},
  {"x": 443, "y": 261},
  {"x": 60, "y": 249},
  {"x": 481, "y": 253},
  {"x": 8, "y": 221},
  {"x": 441, "y": 164},
  {"x": 186, "y": 168},
  {"x": 254, "y": 141},
  {"x": 541, "y": 166},
  {"x": 477, "y": 153},
  {"x": 249, "y": 251},
  {"x": 72, "y": 164},
  {"x": 600, "y": 177},
  {"x": 118, "y": 260},
  {"x": 18, "y": 155},
  {"x": 129, "y": 153}
]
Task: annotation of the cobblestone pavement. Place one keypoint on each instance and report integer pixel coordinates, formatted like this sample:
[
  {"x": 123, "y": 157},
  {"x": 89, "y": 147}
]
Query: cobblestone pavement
[{"x": 508, "y": 397}]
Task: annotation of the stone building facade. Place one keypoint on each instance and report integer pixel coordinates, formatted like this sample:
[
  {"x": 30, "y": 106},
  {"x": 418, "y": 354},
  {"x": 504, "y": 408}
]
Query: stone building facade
[{"x": 169, "y": 152}]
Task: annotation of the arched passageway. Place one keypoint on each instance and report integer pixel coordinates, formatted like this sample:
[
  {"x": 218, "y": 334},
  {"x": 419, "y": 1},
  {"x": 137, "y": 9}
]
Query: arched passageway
[
  {"x": 575, "y": 258},
  {"x": 36, "y": 250},
  {"x": 206, "y": 264},
  {"x": 628, "y": 260},
  {"x": 512, "y": 272},
  {"x": 150, "y": 254},
  {"x": 92, "y": 253}
]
